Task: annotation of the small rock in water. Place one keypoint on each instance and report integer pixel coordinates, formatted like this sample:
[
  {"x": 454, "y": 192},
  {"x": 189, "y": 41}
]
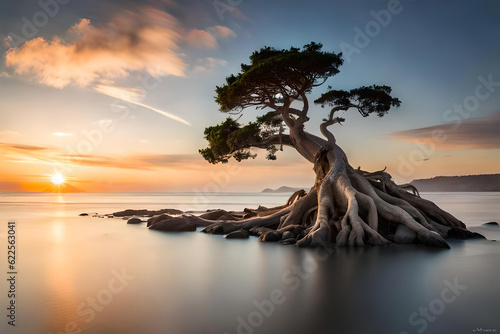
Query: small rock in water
[
  {"x": 214, "y": 215},
  {"x": 491, "y": 224},
  {"x": 239, "y": 234},
  {"x": 83, "y": 214},
  {"x": 134, "y": 221},
  {"x": 287, "y": 235},
  {"x": 270, "y": 236},
  {"x": 289, "y": 241}
]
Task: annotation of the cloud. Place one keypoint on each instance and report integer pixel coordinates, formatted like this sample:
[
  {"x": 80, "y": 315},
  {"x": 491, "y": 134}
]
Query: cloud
[
  {"x": 201, "y": 39},
  {"x": 22, "y": 147},
  {"x": 222, "y": 32},
  {"x": 143, "y": 40},
  {"x": 168, "y": 160},
  {"x": 146, "y": 39},
  {"x": 22, "y": 153},
  {"x": 208, "y": 38},
  {"x": 134, "y": 96},
  {"x": 207, "y": 63},
  {"x": 476, "y": 133}
]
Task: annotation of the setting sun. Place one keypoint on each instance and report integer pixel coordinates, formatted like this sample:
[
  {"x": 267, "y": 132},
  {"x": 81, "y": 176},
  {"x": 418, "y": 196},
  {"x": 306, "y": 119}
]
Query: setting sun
[{"x": 57, "y": 178}]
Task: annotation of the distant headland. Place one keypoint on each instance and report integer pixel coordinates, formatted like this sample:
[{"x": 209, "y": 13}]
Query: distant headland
[
  {"x": 283, "y": 189},
  {"x": 484, "y": 182}
]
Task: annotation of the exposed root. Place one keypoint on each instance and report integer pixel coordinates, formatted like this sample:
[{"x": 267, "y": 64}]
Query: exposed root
[{"x": 345, "y": 207}]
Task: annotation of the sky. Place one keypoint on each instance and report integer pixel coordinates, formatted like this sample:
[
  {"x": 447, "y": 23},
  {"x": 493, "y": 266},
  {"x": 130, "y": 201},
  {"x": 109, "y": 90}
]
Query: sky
[{"x": 115, "y": 95}]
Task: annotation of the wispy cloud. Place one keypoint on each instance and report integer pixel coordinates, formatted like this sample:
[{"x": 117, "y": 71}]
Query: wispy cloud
[
  {"x": 146, "y": 39},
  {"x": 22, "y": 147},
  {"x": 476, "y": 133},
  {"x": 134, "y": 96},
  {"x": 22, "y": 153},
  {"x": 207, "y": 63}
]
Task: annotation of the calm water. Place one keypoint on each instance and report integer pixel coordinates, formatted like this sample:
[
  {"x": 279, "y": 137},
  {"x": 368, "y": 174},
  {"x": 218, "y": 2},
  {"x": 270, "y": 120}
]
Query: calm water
[{"x": 91, "y": 275}]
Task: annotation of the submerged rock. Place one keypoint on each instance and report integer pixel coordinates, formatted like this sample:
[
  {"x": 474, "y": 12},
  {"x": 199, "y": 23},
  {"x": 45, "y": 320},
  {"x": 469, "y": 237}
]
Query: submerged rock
[
  {"x": 146, "y": 213},
  {"x": 259, "y": 230},
  {"x": 289, "y": 241},
  {"x": 156, "y": 219},
  {"x": 239, "y": 234},
  {"x": 287, "y": 235},
  {"x": 185, "y": 223},
  {"x": 134, "y": 221},
  {"x": 221, "y": 228},
  {"x": 491, "y": 224},
  {"x": 214, "y": 215},
  {"x": 270, "y": 236}
]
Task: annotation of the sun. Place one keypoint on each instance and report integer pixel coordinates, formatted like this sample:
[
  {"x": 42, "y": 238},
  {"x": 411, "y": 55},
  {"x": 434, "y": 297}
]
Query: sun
[{"x": 57, "y": 178}]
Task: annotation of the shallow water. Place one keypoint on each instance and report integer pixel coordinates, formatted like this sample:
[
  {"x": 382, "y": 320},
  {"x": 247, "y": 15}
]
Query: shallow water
[{"x": 104, "y": 276}]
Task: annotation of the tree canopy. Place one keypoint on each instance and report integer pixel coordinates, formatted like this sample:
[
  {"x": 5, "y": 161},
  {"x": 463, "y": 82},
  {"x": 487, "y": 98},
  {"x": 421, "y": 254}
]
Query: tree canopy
[{"x": 274, "y": 79}]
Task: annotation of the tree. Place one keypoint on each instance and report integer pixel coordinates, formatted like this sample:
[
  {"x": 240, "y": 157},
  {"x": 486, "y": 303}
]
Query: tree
[{"x": 345, "y": 206}]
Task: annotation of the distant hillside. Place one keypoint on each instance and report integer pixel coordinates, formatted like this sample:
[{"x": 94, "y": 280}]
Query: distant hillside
[
  {"x": 486, "y": 182},
  {"x": 282, "y": 189}
]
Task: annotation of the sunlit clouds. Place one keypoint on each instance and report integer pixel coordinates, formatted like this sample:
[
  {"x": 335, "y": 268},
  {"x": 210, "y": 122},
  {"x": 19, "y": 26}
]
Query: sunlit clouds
[
  {"x": 471, "y": 134},
  {"x": 146, "y": 40}
]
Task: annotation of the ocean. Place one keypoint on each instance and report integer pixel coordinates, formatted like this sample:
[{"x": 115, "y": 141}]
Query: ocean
[{"x": 78, "y": 274}]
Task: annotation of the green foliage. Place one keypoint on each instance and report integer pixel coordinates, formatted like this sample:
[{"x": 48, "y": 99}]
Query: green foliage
[
  {"x": 273, "y": 73},
  {"x": 372, "y": 99},
  {"x": 231, "y": 139},
  {"x": 272, "y": 78}
]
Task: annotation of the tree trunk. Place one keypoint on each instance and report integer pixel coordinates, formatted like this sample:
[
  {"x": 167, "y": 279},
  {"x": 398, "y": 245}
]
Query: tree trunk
[{"x": 349, "y": 207}]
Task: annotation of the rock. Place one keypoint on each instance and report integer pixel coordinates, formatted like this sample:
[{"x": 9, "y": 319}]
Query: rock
[
  {"x": 134, "y": 221},
  {"x": 289, "y": 241},
  {"x": 146, "y": 213},
  {"x": 239, "y": 234},
  {"x": 270, "y": 236},
  {"x": 185, "y": 223},
  {"x": 491, "y": 224},
  {"x": 215, "y": 228},
  {"x": 287, "y": 235},
  {"x": 221, "y": 228},
  {"x": 297, "y": 230},
  {"x": 214, "y": 215},
  {"x": 227, "y": 217},
  {"x": 404, "y": 235},
  {"x": 259, "y": 230},
  {"x": 156, "y": 219},
  {"x": 83, "y": 214}
]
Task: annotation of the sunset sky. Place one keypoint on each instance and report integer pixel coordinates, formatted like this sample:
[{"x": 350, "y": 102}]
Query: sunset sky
[{"x": 115, "y": 94}]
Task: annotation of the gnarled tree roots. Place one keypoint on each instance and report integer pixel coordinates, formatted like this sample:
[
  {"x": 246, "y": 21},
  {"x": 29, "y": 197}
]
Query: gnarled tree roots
[{"x": 349, "y": 207}]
